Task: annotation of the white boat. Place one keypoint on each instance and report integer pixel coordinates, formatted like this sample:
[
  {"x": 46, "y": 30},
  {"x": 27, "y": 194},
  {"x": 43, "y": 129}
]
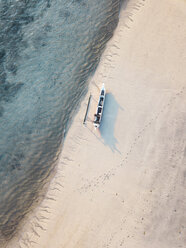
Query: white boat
[{"x": 99, "y": 111}]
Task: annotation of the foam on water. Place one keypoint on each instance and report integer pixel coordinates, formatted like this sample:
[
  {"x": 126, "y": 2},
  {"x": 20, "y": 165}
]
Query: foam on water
[{"x": 48, "y": 49}]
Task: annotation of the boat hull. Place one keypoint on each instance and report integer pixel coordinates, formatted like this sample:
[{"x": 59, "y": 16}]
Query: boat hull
[{"x": 100, "y": 106}]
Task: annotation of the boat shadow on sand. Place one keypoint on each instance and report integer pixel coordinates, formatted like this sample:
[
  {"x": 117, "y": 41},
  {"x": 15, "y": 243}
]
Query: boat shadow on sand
[{"x": 107, "y": 126}]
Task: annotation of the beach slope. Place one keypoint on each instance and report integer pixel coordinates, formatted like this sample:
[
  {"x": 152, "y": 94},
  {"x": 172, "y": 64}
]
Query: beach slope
[{"x": 123, "y": 185}]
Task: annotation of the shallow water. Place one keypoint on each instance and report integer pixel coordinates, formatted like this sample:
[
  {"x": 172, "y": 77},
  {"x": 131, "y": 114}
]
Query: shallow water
[{"x": 48, "y": 49}]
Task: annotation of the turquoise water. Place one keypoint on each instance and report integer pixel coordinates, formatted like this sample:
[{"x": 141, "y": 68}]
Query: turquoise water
[{"x": 48, "y": 49}]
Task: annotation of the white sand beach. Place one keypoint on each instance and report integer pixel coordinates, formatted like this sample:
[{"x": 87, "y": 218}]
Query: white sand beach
[{"x": 123, "y": 185}]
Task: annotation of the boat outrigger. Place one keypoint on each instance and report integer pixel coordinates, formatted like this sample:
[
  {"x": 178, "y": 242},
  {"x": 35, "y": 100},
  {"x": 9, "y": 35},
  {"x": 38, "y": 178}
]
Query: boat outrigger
[{"x": 99, "y": 112}]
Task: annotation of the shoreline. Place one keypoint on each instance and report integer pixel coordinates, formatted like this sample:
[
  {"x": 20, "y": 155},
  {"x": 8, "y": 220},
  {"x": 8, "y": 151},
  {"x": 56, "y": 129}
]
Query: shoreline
[{"x": 112, "y": 188}]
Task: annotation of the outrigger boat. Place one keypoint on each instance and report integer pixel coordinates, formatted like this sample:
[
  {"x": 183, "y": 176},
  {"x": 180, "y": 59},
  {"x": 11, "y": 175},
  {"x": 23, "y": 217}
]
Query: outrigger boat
[{"x": 99, "y": 112}]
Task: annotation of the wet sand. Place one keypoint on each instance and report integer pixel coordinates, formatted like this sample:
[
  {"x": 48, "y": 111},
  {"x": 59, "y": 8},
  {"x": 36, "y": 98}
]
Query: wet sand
[{"x": 123, "y": 185}]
